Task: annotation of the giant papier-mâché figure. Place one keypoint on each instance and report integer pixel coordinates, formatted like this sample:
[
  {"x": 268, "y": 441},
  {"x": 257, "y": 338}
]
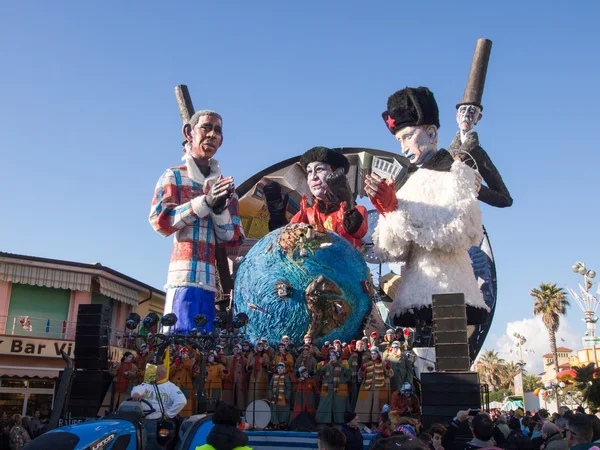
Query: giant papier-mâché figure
[
  {"x": 432, "y": 218},
  {"x": 197, "y": 205}
]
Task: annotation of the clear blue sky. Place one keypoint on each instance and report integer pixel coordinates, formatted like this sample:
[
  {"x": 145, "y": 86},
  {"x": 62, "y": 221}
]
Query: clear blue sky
[{"x": 89, "y": 120}]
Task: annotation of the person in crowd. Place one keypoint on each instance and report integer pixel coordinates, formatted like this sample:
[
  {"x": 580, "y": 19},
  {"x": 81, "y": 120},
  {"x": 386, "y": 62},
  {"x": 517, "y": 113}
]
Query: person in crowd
[
  {"x": 595, "y": 427},
  {"x": 402, "y": 366},
  {"x": 235, "y": 386},
  {"x": 26, "y": 423},
  {"x": 406, "y": 403},
  {"x": 356, "y": 360},
  {"x": 215, "y": 374},
  {"x": 313, "y": 349},
  {"x": 306, "y": 359},
  {"x": 181, "y": 375},
  {"x": 437, "y": 432},
  {"x": 388, "y": 422},
  {"x": 375, "y": 388},
  {"x": 334, "y": 390},
  {"x": 385, "y": 348},
  {"x": 225, "y": 433},
  {"x": 258, "y": 365},
  {"x": 552, "y": 436},
  {"x": 35, "y": 424},
  {"x": 579, "y": 432},
  {"x": 517, "y": 440},
  {"x": 502, "y": 424},
  {"x": 354, "y": 438},
  {"x": 280, "y": 395},
  {"x": 125, "y": 373},
  {"x": 19, "y": 437},
  {"x": 330, "y": 438},
  {"x": 305, "y": 393},
  {"x": 284, "y": 357},
  {"x": 5, "y": 436},
  {"x": 166, "y": 399},
  {"x": 482, "y": 429}
]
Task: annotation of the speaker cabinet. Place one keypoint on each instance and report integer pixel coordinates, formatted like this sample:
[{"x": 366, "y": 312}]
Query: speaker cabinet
[
  {"x": 450, "y": 332},
  {"x": 92, "y": 336},
  {"x": 443, "y": 394}
]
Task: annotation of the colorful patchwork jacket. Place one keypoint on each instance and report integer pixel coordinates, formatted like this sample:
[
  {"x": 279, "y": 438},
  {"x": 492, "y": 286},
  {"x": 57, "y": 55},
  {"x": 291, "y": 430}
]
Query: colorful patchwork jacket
[{"x": 179, "y": 208}]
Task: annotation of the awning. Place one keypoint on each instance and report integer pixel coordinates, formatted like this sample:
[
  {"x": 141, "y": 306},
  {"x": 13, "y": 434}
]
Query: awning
[
  {"x": 32, "y": 372},
  {"x": 118, "y": 292},
  {"x": 43, "y": 276}
]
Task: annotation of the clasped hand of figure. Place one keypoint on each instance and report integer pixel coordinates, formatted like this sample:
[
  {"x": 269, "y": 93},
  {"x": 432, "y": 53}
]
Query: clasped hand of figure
[
  {"x": 381, "y": 192},
  {"x": 338, "y": 185},
  {"x": 220, "y": 194},
  {"x": 478, "y": 177}
]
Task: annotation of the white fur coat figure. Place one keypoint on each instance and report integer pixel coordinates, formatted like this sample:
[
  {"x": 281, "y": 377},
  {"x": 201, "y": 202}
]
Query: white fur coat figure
[{"x": 437, "y": 219}]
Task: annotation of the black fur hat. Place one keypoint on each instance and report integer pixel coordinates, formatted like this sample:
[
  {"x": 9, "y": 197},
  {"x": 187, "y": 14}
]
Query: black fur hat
[
  {"x": 325, "y": 155},
  {"x": 409, "y": 107}
]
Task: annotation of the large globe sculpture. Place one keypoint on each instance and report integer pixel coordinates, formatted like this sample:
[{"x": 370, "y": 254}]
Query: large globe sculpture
[{"x": 296, "y": 280}]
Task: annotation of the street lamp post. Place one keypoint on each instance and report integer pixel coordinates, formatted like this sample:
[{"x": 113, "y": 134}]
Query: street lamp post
[
  {"x": 521, "y": 341},
  {"x": 587, "y": 302}
]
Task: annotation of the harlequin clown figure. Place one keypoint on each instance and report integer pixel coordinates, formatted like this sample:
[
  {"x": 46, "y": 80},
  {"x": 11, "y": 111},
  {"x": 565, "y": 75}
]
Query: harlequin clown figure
[
  {"x": 280, "y": 394},
  {"x": 235, "y": 386},
  {"x": 199, "y": 207},
  {"x": 215, "y": 374},
  {"x": 258, "y": 366},
  {"x": 305, "y": 393},
  {"x": 333, "y": 403},
  {"x": 284, "y": 357},
  {"x": 334, "y": 208},
  {"x": 375, "y": 388},
  {"x": 431, "y": 219}
]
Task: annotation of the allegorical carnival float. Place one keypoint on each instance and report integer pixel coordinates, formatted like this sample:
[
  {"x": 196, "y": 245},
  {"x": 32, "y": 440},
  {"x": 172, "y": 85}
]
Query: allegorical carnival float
[{"x": 335, "y": 243}]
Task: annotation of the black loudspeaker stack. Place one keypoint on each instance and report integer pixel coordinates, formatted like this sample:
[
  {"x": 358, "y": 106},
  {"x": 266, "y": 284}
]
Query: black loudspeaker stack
[
  {"x": 92, "y": 337},
  {"x": 88, "y": 389},
  {"x": 443, "y": 394},
  {"x": 450, "y": 331}
]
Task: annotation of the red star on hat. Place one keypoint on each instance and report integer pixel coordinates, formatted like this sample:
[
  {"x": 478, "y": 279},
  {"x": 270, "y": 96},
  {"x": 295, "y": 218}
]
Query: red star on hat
[{"x": 391, "y": 122}]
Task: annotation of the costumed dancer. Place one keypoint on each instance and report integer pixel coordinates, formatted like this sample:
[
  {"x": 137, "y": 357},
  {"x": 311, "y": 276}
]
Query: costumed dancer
[
  {"x": 144, "y": 357},
  {"x": 385, "y": 348},
  {"x": 334, "y": 390},
  {"x": 305, "y": 393},
  {"x": 406, "y": 403},
  {"x": 235, "y": 387},
  {"x": 215, "y": 374},
  {"x": 281, "y": 393},
  {"x": 197, "y": 205},
  {"x": 125, "y": 373},
  {"x": 181, "y": 375},
  {"x": 356, "y": 360},
  {"x": 306, "y": 360},
  {"x": 258, "y": 365},
  {"x": 246, "y": 349},
  {"x": 313, "y": 349},
  {"x": 284, "y": 357},
  {"x": 433, "y": 218},
  {"x": 402, "y": 366},
  {"x": 465, "y": 144},
  {"x": 333, "y": 209},
  {"x": 375, "y": 388}
]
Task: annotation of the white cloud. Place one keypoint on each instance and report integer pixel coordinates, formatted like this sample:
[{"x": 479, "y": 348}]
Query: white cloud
[{"x": 538, "y": 342}]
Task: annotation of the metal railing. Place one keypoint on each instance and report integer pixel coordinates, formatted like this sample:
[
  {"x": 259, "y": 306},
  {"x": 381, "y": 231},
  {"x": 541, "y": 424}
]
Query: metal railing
[{"x": 37, "y": 327}]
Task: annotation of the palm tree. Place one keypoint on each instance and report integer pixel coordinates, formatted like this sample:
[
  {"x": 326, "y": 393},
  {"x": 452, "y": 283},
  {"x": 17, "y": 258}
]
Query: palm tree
[
  {"x": 550, "y": 302},
  {"x": 508, "y": 373},
  {"x": 490, "y": 367},
  {"x": 586, "y": 382}
]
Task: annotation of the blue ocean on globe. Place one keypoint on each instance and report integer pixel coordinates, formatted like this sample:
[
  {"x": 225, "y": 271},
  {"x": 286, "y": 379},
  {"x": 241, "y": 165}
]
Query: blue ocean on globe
[{"x": 295, "y": 280}]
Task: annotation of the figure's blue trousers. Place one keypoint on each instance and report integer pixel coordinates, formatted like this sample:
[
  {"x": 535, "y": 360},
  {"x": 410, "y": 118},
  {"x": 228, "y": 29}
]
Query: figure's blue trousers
[{"x": 188, "y": 301}]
